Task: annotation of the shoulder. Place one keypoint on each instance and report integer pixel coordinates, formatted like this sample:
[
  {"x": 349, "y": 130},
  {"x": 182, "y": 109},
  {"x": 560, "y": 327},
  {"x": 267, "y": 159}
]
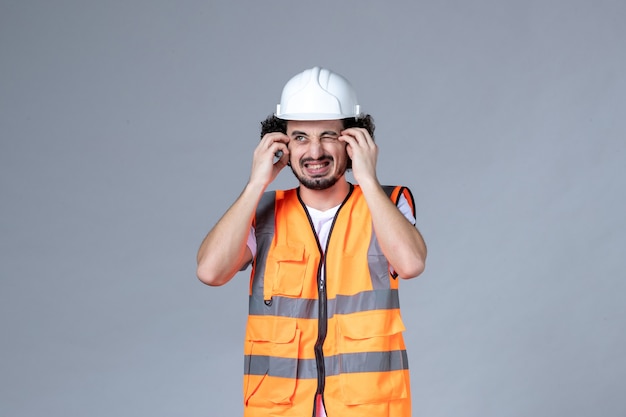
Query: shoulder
[
  {"x": 400, "y": 195},
  {"x": 396, "y": 191},
  {"x": 267, "y": 204}
]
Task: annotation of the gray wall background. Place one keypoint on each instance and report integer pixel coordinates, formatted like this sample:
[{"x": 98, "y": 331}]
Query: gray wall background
[{"x": 127, "y": 129}]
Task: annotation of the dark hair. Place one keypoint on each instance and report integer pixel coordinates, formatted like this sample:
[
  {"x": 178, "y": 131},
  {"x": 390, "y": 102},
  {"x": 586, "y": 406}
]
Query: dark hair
[{"x": 274, "y": 124}]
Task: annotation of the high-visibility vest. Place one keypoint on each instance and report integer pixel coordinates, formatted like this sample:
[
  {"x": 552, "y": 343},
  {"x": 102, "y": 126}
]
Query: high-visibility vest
[{"x": 323, "y": 321}]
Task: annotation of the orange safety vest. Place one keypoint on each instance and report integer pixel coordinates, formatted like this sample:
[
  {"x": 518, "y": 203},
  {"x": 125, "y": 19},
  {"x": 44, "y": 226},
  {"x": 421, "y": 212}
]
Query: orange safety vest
[{"x": 323, "y": 321}]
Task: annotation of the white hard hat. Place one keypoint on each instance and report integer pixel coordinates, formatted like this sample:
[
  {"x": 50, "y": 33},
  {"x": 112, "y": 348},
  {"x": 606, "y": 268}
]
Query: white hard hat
[{"x": 317, "y": 94}]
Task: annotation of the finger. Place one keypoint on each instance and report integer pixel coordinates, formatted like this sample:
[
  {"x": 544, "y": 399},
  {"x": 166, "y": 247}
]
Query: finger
[
  {"x": 352, "y": 138},
  {"x": 272, "y": 144},
  {"x": 282, "y": 151},
  {"x": 281, "y": 160},
  {"x": 361, "y": 135},
  {"x": 349, "y": 139},
  {"x": 284, "y": 159},
  {"x": 279, "y": 147},
  {"x": 274, "y": 137}
]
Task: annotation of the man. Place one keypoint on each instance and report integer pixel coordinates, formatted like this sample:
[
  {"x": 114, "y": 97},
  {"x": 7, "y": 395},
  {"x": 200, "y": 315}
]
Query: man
[{"x": 324, "y": 333}]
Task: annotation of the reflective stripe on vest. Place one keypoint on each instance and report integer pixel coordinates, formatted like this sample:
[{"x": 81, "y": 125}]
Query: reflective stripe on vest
[{"x": 350, "y": 362}]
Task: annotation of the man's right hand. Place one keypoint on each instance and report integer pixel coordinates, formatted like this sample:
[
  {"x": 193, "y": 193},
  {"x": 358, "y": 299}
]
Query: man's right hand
[{"x": 264, "y": 167}]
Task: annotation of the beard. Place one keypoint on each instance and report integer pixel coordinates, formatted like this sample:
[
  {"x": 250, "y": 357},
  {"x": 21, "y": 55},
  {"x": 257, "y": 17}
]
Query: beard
[{"x": 322, "y": 182}]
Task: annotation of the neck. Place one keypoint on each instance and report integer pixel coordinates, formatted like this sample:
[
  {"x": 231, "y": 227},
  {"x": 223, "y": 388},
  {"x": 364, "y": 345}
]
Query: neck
[{"x": 325, "y": 199}]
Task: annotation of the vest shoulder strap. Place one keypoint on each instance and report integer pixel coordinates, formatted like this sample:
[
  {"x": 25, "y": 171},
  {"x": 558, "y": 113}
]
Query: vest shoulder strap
[
  {"x": 395, "y": 191},
  {"x": 265, "y": 209},
  {"x": 264, "y": 217}
]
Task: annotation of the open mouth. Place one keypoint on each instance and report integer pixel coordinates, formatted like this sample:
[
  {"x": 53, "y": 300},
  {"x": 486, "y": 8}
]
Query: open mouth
[{"x": 317, "y": 167}]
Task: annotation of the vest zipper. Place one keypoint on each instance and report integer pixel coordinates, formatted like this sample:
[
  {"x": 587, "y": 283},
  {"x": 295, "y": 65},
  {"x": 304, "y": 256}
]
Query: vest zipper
[
  {"x": 322, "y": 317},
  {"x": 322, "y": 329}
]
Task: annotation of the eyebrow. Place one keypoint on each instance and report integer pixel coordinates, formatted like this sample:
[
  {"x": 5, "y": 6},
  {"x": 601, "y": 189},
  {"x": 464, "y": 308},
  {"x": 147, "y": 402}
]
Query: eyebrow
[{"x": 325, "y": 133}]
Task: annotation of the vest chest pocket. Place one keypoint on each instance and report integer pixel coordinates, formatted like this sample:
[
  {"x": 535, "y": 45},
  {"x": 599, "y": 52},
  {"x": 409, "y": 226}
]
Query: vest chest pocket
[
  {"x": 286, "y": 270},
  {"x": 373, "y": 366},
  {"x": 271, "y": 367}
]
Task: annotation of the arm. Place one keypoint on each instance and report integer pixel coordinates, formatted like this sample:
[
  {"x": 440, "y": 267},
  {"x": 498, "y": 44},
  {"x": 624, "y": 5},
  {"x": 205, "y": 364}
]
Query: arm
[
  {"x": 399, "y": 240},
  {"x": 224, "y": 251}
]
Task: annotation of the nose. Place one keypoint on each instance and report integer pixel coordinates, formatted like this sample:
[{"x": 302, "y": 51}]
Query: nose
[{"x": 315, "y": 149}]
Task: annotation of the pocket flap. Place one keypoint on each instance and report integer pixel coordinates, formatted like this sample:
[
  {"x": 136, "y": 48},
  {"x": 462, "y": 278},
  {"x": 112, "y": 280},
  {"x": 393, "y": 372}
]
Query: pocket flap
[
  {"x": 291, "y": 253},
  {"x": 370, "y": 324},
  {"x": 271, "y": 329}
]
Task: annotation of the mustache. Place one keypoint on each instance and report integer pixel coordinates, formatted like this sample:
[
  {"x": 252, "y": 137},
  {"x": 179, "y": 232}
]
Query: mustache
[{"x": 323, "y": 158}]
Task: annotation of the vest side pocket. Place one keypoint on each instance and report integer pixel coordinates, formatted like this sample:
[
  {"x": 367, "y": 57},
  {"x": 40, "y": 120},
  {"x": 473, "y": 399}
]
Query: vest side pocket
[
  {"x": 373, "y": 366},
  {"x": 271, "y": 369}
]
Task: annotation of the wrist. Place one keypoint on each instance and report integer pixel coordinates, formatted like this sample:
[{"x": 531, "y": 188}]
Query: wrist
[
  {"x": 255, "y": 187},
  {"x": 368, "y": 182}
]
